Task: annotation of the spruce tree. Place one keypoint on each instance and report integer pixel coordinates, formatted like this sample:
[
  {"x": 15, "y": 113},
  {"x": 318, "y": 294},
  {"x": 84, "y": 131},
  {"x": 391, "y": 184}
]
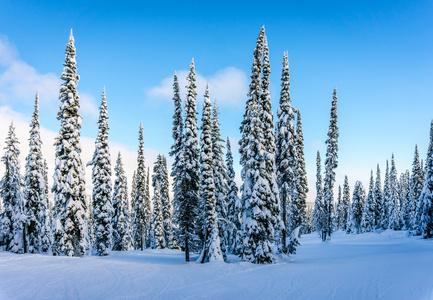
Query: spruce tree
[
  {"x": 101, "y": 178},
  {"x": 379, "y": 200},
  {"x": 426, "y": 197},
  {"x": 404, "y": 199},
  {"x": 416, "y": 185},
  {"x": 386, "y": 199},
  {"x": 70, "y": 225},
  {"x": 157, "y": 218},
  {"x": 147, "y": 208},
  {"x": 188, "y": 204},
  {"x": 318, "y": 203},
  {"x": 13, "y": 227},
  {"x": 39, "y": 237},
  {"x": 367, "y": 221},
  {"x": 338, "y": 215},
  {"x": 212, "y": 244},
  {"x": 393, "y": 209},
  {"x": 233, "y": 202},
  {"x": 331, "y": 162},
  {"x": 166, "y": 207},
  {"x": 141, "y": 215},
  {"x": 345, "y": 204},
  {"x": 220, "y": 180},
  {"x": 356, "y": 208},
  {"x": 122, "y": 233}
]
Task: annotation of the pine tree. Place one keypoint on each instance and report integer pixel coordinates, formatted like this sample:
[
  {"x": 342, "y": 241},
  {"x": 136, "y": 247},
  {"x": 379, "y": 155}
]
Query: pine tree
[
  {"x": 393, "y": 209},
  {"x": 386, "y": 199},
  {"x": 426, "y": 197},
  {"x": 404, "y": 199},
  {"x": 318, "y": 203},
  {"x": 141, "y": 215},
  {"x": 367, "y": 221},
  {"x": 416, "y": 185},
  {"x": 212, "y": 244},
  {"x": 157, "y": 219},
  {"x": 331, "y": 162},
  {"x": 70, "y": 226},
  {"x": 147, "y": 208},
  {"x": 233, "y": 203},
  {"x": 39, "y": 235},
  {"x": 338, "y": 216},
  {"x": 356, "y": 208},
  {"x": 301, "y": 187},
  {"x": 220, "y": 180},
  {"x": 101, "y": 177},
  {"x": 122, "y": 233},
  {"x": 188, "y": 204},
  {"x": 14, "y": 218},
  {"x": 379, "y": 200},
  {"x": 345, "y": 204},
  {"x": 285, "y": 149}
]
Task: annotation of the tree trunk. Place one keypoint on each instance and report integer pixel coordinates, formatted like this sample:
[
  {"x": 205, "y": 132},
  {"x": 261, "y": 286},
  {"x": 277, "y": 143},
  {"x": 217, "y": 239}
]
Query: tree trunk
[
  {"x": 186, "y": 248},
  {"x": 284, "y": 232},
  {"x": 141, "y": 242},
  {"x": 25, "y": 238}
]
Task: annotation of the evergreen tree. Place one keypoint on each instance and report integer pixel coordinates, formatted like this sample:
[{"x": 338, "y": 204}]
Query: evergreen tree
[
  {"x": 39, "y": 235},
  {"x": 404, "y": 199},
  {"x": 393, "y": 209},
  {"x": 426, "y": 197},
  {"x": 220, "y": 180},
  {"x": 345, "y": 204},
  {"x": 147, "y": 208},
  {"x": 170, "y": 241},
  {"x": 101, "y": 177},
  {"x": 367, "y": 221},
  {"x": 188, "y": 204},
  {"x": 338, "y": 219},
  {"x": 122, "y": 233},
  {"x": 386, "y": 199},
  {"x": 285, "y": 149},
  {"x": 318, "y": 203},
  {"x": 157, "y": 219},
  {"x": 233, "y": 202},
  {"x": 141, "y": 215},
  {"x": 14, "y": 218},
  {"x": 301, "y": 186},
  {"x": 212, "y": 243},
  {"x": 331, "y": 162},
  {"x": 356, "y": 208},
  {"x": 416, "y": 185},
  {"x": 379, "y": 199},
  {"x": 70, "y": 225}
]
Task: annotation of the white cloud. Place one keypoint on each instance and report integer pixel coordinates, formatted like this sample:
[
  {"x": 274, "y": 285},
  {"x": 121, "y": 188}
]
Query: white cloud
[
  {"x": 227, "y": 86},
  {"x": 88, "y": 105}
]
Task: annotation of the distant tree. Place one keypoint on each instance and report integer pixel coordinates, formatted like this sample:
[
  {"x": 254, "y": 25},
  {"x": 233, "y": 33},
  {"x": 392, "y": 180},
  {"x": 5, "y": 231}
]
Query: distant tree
[
  {"x": 101, "y": 176},
  {"x": 338, "y": 216},
  {"x": 122, "y": 232},
  {"x": 70, "y": 224},
  {"x": 356, "y": 208},
  {"x": 331, "y": 162},
  {"x": 426, "y": 197},
  {"x": 386, "y": 199},
  {"x": 416, "y": 186},
  {"x": 39, "y": 236},
  {"x": 318, "y": 204},
  {"x": 367, "y": 221},
  {"x": 157, "y": 217},
  {"x": 379, "y": 200},
  {"x": 404, "y": 199},
  {"x": 393, "y": 209},
  {"x": 170, "y": 241},
  {"x": 11, "y": 189}
]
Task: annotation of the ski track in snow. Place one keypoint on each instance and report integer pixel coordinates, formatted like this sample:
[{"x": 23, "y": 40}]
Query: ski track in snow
[{"x": 385, "y": 265}]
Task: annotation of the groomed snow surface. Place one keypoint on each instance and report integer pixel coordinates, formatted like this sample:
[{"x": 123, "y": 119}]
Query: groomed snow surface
[{"x": 386, "y": 265}]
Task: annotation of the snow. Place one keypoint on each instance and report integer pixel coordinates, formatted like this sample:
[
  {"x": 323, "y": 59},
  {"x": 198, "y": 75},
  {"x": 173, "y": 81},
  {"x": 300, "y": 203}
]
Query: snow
[{"x": 386, "y": 265}]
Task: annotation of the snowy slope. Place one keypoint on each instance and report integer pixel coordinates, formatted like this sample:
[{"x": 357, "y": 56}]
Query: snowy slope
[{"x": 388, "y": 265}]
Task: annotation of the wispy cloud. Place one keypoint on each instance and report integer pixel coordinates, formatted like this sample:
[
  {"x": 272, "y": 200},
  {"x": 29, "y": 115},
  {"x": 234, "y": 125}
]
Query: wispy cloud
[{"x": 228, "y": 86}]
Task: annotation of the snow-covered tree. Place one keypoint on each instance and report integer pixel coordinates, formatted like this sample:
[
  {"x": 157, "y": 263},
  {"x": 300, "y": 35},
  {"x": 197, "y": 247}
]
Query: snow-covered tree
[
  {"x": 212, "y": 243},
  {"x": 404, "y": 199},
  {"x": 170, "y": 241},
  {"x": 386, "y": 199},
  {"x": 331, "y": 162},
  {"x": 187, "y": 206},
  {"x": 11, "y": 189},
  {"x": 426, "y": 197},
  {"x": 318, "y": 203},
  {"x": 141, "y": 215},
  {"x": 122, "y": 233},
  {"x": 379, "y": 200},
  {"x": 220, "y": 180},
  {"x": 393, "y": 209},
  {"x": 367, "y": 221},
  {"x": 285, "y": 159},
  {"x": 338, "y": 219},
  {"x": 233, "y": 202},
  {"x": 157, "y": 217},
  {"x": 70, "y": 224},
  {"x": 416, "y": 185},
  {"x": 345, "y": 204},
  {"x": 354, "y": 225},
  {"x": 101, "y": 178},
  {"x": 39, "y": 236}
]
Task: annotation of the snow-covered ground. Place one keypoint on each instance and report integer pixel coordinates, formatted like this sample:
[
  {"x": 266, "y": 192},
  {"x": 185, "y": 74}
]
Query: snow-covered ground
[{"x": 387, "y": 265}]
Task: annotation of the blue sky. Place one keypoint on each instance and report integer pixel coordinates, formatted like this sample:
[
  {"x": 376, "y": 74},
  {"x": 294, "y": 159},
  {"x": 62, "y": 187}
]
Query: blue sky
[{"x": 377, "y": 53}]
